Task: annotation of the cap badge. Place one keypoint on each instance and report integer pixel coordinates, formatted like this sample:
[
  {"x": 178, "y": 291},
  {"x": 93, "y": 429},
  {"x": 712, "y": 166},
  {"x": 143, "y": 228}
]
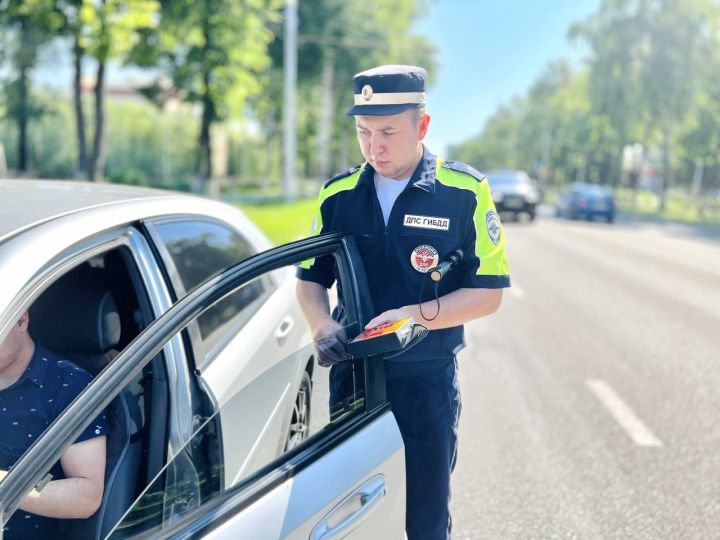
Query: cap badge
[
  {"x": 423, "y": 258},
  {"x": 367, "y": 92}
]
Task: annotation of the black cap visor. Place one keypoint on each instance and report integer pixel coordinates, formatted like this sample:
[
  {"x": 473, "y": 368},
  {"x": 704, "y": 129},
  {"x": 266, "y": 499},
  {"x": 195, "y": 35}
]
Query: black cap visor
[{"x": 381, "y": 110}]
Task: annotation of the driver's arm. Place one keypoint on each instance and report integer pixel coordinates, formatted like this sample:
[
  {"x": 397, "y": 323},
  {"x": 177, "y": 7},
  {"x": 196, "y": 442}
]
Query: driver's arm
[{"x": 79, "y": 494}]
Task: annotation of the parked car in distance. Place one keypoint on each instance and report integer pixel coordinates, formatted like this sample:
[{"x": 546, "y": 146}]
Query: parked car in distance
[
  {"x": 514, "y": 193},
  {"x": 586, "y": 201},
  {"x": 221, "y": 419}
]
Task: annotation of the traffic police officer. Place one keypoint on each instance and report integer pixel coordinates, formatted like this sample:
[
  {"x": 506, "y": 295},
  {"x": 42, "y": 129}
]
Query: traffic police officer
[{"x": 409, "y": 210}]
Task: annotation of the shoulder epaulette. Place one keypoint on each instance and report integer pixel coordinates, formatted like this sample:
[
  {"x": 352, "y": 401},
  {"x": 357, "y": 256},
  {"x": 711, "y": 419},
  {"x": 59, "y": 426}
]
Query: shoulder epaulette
[
  {"x": 343, "y": 174},
  {"x": 459, "y": 166}
]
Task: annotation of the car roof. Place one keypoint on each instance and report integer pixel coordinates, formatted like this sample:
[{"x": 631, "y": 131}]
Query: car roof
[
  {"x": 44, "y": 200},
  {"x": 41, "y": 219}
]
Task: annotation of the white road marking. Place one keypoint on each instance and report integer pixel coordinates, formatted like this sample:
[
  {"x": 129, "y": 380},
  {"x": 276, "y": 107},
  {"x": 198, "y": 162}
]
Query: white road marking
[
  {"x": 517, "y": 291},
  {"x": 623, "y": 414}
]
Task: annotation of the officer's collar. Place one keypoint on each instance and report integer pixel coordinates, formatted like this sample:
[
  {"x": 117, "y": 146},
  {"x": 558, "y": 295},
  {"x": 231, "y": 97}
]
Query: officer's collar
[{"x": 423, "y": 177}]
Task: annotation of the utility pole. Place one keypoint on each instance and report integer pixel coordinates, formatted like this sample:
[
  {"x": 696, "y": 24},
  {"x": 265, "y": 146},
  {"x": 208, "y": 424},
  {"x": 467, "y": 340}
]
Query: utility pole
[{"x": 290, "y": 100}]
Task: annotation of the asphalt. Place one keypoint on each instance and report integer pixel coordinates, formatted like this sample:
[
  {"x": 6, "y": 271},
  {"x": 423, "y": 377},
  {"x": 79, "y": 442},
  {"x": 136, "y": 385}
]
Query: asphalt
[{"x": 591, "y": 399}]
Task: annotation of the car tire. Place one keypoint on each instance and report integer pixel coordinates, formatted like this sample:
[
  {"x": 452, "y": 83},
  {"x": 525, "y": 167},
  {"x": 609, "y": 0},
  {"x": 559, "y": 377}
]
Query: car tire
[{"x": 300, "y": 421}]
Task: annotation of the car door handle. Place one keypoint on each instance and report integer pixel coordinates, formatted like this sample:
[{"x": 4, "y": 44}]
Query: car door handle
[
  {"x": 351, "y": 511},
  {"x": 283, "y": 331}
]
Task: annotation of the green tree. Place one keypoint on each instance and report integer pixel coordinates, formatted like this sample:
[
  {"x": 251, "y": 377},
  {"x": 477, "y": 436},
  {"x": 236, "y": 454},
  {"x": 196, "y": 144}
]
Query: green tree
[
  {"x": 101, "y": 30},
  {"x": 496, "y": 147},
  {"x": 647, "y": 57},
  {"x": 336, "y": 40},
  {"x": 619, "y": 37},
  {"x": 683, "y": 37},
  {"x": 211, "y": 53},
  {"x": 26, "y": 25}
]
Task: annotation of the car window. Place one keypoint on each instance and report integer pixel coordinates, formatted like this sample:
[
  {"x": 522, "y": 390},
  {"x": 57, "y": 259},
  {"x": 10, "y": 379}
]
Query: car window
[
  {"x": 273, "y": 397},
  {"x": 200, "y": 249}
]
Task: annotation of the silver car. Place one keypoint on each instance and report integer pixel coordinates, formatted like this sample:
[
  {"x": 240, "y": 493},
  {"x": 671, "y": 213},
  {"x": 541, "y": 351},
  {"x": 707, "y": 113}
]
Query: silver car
[{"x": 223, "y": 424}]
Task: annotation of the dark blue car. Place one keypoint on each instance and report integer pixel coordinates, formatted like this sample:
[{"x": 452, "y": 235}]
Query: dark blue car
[{"x": 586, "y": 201}]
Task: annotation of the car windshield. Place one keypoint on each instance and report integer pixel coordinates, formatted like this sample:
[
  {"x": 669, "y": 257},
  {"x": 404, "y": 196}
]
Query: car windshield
[
  {"x": 593, "y": 191},
  {"x": 507, "y": 179}
]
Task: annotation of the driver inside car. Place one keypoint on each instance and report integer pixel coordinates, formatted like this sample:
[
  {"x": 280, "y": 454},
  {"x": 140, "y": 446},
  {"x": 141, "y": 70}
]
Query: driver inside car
[{"x": 35, "y": 387}]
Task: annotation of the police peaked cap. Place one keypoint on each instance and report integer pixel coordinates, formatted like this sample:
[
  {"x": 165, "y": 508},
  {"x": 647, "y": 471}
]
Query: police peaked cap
[{"x": 388, "y": 90}]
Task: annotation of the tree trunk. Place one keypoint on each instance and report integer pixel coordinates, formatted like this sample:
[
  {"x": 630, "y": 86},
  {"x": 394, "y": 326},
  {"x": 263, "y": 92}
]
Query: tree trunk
[
  {"x": 79, "y": 115},
  {"x": 203, "y": 162},
  {"x": 327, "y": 108},
  {"x": 606, "y": 169},
  {"x": 344, "y": 154},
  {"x": 96, "y": 165},
  {"x": 666, "y": 181},
  {"x": 696, "y": 186},
  {"x": 715, "y": 177},
  {"x": 23, "y": 112},
  {"x": 618, "y": 166}
]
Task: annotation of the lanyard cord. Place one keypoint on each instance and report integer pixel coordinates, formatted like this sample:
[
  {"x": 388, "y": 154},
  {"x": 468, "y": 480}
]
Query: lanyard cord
[{"x": 422, "y": 288}]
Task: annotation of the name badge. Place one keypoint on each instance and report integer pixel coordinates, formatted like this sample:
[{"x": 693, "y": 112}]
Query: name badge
[{"x": 427, "y": 222}]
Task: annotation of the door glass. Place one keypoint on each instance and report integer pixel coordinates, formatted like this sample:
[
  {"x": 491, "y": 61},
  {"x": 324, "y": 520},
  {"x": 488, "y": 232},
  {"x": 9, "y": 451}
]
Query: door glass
[
  {"x": 200, "y": 249},
  {"x": 273, "y": 395}
]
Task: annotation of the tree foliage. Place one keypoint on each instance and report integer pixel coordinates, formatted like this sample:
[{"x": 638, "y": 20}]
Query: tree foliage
[
  {"x": 26, "y": 26},
  {"x": 650, "y": 80},
  {"x": 210, "y": 53}
]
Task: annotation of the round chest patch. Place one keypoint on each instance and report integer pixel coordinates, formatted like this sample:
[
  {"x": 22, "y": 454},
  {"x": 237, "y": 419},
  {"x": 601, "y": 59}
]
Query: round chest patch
[
  {"x": 423, "y": 258},
  {"x": 492, "y": 222}
]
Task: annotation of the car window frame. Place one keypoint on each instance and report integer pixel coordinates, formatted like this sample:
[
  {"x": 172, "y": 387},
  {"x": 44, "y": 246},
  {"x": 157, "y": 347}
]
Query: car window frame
[{"x": 31, "y": 468}]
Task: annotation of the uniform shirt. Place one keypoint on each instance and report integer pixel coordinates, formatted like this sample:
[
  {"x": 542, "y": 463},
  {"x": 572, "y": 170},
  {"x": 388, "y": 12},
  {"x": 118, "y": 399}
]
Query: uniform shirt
[
  {"x": 31, "y": 404},
  {"x": 445, "y": 206}
]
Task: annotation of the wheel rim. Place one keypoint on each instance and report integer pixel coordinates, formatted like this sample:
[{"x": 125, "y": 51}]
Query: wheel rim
[{"x": 299, "y": 423}]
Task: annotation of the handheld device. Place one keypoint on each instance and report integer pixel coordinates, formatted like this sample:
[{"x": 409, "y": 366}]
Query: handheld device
[{"x": 390, "y": 337}]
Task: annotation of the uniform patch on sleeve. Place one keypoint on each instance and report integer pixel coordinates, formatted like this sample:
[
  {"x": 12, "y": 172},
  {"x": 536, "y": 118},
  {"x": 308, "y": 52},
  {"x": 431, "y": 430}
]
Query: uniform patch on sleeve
[{"x": 492, "y": 223}]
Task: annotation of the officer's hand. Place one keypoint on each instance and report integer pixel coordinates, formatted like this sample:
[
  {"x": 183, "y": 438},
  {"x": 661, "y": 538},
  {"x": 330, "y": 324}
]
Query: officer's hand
[
  {"x": 389, "y": 316},
  {"x": 330, "y": 340}
]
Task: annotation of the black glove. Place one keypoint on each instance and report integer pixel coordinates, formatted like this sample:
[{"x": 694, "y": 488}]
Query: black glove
[{"x": 331, "y": 349}]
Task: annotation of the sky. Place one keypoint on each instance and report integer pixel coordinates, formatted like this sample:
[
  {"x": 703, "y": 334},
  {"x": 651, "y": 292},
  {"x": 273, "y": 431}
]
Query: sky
[{"x": 488, "y": 52}]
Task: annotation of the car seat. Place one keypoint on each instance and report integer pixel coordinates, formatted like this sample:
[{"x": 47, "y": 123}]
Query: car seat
[{"x": 77, "y": 318}]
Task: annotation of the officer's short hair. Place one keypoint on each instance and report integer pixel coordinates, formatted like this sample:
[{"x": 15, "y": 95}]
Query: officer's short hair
[{"x": 417, "y": 115}]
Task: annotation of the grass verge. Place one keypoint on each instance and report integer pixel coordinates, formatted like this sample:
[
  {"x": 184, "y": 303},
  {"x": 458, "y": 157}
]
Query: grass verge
[{"x": 282, "y": 222}]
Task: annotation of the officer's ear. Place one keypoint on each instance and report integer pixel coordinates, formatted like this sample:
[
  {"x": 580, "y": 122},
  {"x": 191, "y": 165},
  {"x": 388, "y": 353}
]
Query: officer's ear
[{"x": 423, "y": 124}]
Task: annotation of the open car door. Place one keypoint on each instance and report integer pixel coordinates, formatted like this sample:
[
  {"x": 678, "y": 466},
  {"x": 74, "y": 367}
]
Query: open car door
[{"x": 248, "y": 470}]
